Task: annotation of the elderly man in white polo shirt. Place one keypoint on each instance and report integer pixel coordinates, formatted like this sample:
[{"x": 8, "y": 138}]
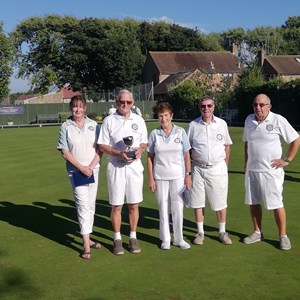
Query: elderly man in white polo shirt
[
  {"x": 210, "y": 142},
  {"x": 124, "y": 173},
  {"x": 264, "y": 174}
]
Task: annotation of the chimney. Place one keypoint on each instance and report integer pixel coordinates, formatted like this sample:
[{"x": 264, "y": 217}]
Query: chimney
[
  {"x": 234, "y": 49},
  {"x": 261, "y": 57}
]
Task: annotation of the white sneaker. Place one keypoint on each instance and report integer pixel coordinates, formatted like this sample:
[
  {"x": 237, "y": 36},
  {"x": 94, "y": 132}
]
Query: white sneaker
[
  {"x": 285, "y": 243},
  {"x": 253, "y": 237},
  {"x": 165, "y": 245},
  {"x": 183, "y": 245},
  {"x": 224, "y": 238},
  {"x": 199, "y": 239}
]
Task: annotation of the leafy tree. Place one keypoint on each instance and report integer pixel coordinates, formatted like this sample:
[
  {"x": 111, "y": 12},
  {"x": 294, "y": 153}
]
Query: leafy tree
[
  {"x": 40, "y": 45},
  {"x": 267, "y": 38},
  {"x": 5, "y": 60},
  {"x": 249, "y": 77},
  {"x": 291, "y": 35},
  {"x": 249, "y": 84},
  {"x": 184, "y": 98},
  {"x": 87, "y": 53},
  {"x": 162, "y": 36}
]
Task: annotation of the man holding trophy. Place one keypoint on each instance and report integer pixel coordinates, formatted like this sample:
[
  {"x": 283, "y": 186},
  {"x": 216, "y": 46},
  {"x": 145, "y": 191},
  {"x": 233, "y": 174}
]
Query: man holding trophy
[{"x": 123, "y": 136}]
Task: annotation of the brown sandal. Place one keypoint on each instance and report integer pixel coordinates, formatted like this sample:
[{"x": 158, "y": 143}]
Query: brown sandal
[
  {"x": 96, "y": 245},
  {"x": 86, "y": 255}
]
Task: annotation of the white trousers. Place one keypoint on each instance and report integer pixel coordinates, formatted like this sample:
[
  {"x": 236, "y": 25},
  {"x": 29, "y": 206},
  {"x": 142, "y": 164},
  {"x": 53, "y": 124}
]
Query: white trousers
[
  {"x": 169, "y": 199},
  {"x": 85, "y": 202}
]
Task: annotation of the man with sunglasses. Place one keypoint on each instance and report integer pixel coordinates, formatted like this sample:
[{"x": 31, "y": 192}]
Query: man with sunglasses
[
  {"x": 264, "y": 174},
  {"x": 210, "y": 142},
  {"x": 124, "y": 172}
]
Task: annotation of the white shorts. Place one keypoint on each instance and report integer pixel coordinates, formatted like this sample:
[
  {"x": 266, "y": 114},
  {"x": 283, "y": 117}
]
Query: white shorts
[
  {"x": 209, "y": 183},
  {"x": 266, "y": 187},
  {"x": 125, "y": 181}
]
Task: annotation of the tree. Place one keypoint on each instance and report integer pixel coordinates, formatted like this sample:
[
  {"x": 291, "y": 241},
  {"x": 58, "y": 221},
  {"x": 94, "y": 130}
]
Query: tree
[
  {"x": 163, "y": 36},
  {"x": 40, "y": 45},
  {"x": 291, "y": 35},
  {"x": 5, "y": 63},
  {"x": 184, "y": 98},
  {"x": 87, "y": 53}
]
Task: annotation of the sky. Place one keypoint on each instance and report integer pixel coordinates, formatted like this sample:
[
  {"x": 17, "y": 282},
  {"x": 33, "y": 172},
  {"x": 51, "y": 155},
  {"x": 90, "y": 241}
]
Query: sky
[{"x": 205, "y": 15}]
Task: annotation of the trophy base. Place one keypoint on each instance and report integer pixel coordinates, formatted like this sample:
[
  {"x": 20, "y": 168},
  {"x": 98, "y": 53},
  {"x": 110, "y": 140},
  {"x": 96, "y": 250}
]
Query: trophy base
[{"x": 131, "y": 154}]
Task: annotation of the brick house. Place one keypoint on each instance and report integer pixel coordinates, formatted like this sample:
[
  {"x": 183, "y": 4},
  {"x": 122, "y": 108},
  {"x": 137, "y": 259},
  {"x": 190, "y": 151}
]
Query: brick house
[
  {"x": 286, "y": 67},
  {"x": 168, "y": 69}
]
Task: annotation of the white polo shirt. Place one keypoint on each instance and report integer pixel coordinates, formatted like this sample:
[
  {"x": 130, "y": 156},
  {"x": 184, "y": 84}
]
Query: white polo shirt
[
  {"x": 168, "y": 153},
  {"x": 115, "y": 127},
  {"x": 80, "y": 142},
  {"x": 208, "y": 140},
  {"x": 264, "y": 142}
]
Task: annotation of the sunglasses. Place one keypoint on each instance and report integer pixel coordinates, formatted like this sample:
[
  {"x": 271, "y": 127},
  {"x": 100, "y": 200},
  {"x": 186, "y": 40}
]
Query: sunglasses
[
  {"x": 123, "y": 102},
  {"x": 260, "y": 104},
  {"x": 208, "y": 105}
]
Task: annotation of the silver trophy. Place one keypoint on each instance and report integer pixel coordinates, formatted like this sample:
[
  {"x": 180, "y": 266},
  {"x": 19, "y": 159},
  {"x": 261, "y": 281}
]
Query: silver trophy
[{"x": 128, "y": 141}]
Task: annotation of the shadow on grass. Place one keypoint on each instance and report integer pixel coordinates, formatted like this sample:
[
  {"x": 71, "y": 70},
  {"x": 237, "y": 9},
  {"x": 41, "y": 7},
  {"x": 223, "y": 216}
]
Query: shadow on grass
[
  {"x": 15, "y": 283},
  {"x": 57, "y": 222},
  {"x": 236, "y": 172},
  {"x": 43, "y": 219},
  {"x": 291, "y": 178}
]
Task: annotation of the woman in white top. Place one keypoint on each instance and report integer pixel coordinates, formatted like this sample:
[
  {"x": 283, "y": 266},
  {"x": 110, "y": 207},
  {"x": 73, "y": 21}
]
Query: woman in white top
[
  {"x": 169, "y": 171},
  {"x": 78, "y": 146}
]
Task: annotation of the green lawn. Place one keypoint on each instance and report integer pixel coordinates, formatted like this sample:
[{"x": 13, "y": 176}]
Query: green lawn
[{"x": 40, "y": 243}]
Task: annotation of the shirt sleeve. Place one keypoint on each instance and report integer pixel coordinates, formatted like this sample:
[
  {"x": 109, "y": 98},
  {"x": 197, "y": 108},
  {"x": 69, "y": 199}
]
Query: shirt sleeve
[
  {"x": 104, "y": 138},
  {"x": 288, "y": 133},
  {"x": 144, "y": 137},
  {"x": 151, "y": 143},
  {"x": 62, "y": 140},
  {"x": 185, "y": 142}
]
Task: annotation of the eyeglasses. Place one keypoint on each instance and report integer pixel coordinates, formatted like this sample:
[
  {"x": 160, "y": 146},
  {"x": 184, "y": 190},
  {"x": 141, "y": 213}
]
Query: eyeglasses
[
  {"x": 123, "y": 102},
  {"x": 260, "y": 104},
  {"x": 208, "y": 105}
]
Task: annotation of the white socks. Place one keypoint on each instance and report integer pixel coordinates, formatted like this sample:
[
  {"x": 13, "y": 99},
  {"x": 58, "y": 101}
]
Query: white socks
[
  {"x": 117, "y": 235},
  {"x": 200, "y": 227}
]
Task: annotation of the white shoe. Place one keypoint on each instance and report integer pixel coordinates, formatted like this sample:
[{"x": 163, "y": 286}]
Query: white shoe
[
  {"x": 183, "y": 245},
  {"x": 165, "y": 245}
]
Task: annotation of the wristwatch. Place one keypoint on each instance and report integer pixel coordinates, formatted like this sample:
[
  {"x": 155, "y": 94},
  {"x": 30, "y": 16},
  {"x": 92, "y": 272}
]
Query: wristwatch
[
  {"x": 188, "y": 173},
  {"x": 286, "y": 159}
]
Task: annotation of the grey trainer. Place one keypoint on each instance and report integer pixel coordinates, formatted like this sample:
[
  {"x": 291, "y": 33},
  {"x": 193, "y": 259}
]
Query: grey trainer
[
  {"x": 134, "y": 246},
  {"x": 199, "y": 239},
  {"x": 253, "y": 238},
  {"x": 224, "y": 238},
  {"x": 118, "y": 248},
  {"x": 285, "y": 243}
]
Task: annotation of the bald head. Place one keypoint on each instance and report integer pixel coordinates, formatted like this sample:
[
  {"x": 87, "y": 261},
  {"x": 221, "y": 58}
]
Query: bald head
[{"x": 263, "y": 99}]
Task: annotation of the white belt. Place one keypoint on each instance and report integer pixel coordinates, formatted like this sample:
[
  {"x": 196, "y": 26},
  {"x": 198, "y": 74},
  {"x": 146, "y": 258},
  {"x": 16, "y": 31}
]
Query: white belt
[{"x": 204, "y": 165}]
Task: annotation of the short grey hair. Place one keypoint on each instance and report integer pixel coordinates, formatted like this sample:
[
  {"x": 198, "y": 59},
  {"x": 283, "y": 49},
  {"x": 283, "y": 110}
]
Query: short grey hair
[
  {"x": 124, "y": 92},
  {"x": 206, "y": 97}
]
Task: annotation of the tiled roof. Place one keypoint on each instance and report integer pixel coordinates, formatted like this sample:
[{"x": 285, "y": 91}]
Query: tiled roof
[
  {"x": 68, "y": 93},
  {"x": 25, "y": 97},
  {"x": 284, "y": 64},
  {"x": 172, "y": 80},
  {"x": 207, "y": 61}
]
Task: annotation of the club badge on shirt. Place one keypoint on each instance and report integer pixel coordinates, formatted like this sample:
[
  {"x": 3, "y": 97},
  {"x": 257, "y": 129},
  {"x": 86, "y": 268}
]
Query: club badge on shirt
[
  {"x": 270, "y": 127},
  {"x": 177, "y": 140},
  {"x": 134, "y": 126},
  {"x": 91, "y": 128},
  {"x": 219, "y": 137}
]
